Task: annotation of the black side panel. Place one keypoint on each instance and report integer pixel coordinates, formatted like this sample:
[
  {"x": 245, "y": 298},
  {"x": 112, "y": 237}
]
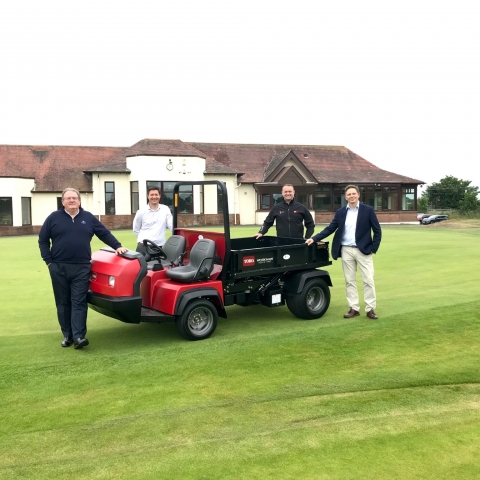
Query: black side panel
[
  {"x": 295, "y": 282},
  {"x": 126, "y": 309},
  {"x": 209, "y": 293}
]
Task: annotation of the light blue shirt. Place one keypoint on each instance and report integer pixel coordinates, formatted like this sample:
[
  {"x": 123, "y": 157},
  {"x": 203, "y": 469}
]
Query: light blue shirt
[{"x": 348, "y": 237}]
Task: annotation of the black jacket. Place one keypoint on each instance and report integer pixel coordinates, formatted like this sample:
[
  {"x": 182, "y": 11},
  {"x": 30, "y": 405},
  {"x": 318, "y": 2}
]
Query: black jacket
[
  {"x": 289, "y": 219},
  {"x": 70, "y": 238}
]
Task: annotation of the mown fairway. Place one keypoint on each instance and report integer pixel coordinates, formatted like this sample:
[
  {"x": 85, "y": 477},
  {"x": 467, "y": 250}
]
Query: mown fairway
[{"x": 268, "y": 395}]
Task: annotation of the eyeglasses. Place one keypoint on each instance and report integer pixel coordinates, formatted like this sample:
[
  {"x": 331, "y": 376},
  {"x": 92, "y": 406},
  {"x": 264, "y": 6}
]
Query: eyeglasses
[{"x": 70, "y": 198}]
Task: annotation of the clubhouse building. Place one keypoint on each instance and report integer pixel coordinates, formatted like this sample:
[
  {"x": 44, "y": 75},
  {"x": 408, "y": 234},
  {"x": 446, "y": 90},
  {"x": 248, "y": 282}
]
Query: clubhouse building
[{"x": 113, "y": 181}]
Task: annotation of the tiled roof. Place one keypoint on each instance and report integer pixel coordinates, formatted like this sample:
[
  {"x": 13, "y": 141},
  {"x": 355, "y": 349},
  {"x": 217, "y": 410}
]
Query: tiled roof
[
  {"x": 54, "y": 167},
  {"x": 149, "y": 146},
  {"x": 274, "y": 163},
  {"x": 329, "y": 164}
]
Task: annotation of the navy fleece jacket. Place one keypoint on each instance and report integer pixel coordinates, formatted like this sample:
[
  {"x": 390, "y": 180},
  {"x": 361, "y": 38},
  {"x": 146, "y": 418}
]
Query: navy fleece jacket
[{"x": 66, "y": 240}]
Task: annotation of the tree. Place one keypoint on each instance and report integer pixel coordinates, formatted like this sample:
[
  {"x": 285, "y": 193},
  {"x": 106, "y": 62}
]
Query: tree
[
  {"x": 449, "y": 192},
  {"x": 422, "y": 204},
  {"x": 469, "y": 203}
]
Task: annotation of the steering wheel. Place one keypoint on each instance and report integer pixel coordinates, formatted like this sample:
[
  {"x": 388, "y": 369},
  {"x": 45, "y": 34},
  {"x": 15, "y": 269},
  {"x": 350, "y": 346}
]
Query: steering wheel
[{"x": 154, "y": 250}]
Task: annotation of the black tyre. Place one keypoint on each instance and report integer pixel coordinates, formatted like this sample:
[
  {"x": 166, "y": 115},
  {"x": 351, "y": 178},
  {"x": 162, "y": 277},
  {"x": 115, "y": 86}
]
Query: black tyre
[
  {"x": 198, "y": 320},
  {"x": 312, "y": 302}
]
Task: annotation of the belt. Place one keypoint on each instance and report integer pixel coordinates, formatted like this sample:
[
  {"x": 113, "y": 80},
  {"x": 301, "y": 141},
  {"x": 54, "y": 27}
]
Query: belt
[{"x": 351, "y": 246}]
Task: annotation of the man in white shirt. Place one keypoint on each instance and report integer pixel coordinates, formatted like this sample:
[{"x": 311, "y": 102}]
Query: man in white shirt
[{"x": 152, "y": 220}]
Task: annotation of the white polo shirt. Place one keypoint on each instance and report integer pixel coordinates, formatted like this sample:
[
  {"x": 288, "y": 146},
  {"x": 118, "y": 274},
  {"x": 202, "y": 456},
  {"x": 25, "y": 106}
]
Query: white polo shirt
[{"x": 152, "y": 224}]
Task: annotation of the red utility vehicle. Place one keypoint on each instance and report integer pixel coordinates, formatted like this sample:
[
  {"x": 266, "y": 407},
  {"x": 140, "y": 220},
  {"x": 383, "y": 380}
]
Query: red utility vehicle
[{"x": 200, "y": 272}]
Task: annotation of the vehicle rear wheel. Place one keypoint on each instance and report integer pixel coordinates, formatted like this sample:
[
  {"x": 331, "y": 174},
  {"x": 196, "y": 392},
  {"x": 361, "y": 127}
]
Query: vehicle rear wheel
[
  {"x": 198, "y": 320},
  {"x": 312, "y": 302}
]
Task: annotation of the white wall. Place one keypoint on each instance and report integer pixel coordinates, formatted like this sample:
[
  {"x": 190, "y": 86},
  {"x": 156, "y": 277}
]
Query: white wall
[
  {"x": 16, "y": 188},
  {"x": 96, "y": 202},
  {"x": 210, "y": 195},
  {"x": 43, "y": 204},
  {"x": 154, "y": 168},
  {"x": 241, "y": 199},
  {"x": 247, "y": 200}
]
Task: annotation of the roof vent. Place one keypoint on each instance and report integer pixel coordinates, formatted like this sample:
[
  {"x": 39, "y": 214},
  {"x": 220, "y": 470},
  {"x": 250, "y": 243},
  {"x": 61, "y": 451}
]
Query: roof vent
[{"x": 305, "y": 155}]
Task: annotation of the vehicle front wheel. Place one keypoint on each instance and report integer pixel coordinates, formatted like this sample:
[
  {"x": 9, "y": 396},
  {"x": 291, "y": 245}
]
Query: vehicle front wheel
[
  {"x": 198, "y": 320},
  {"x": 312, "y": 302}
]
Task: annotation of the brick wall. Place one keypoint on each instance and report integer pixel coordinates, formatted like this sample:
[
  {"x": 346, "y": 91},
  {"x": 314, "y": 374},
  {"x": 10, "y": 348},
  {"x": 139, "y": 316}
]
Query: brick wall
[
  {"x": 26, "y": 230},
  {"x": 117, "y": 222},
  {"x": 120, "y": 222}
]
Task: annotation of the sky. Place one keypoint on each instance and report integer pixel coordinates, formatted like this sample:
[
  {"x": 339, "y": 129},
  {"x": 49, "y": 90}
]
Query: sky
[{"x": 398, "y": 83}]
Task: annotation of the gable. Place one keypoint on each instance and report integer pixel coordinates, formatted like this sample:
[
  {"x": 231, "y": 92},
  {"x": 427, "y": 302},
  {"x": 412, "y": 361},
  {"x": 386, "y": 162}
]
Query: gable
[
  {"x": 289, "y": 175},
  {"x": 287, "y": 168}
]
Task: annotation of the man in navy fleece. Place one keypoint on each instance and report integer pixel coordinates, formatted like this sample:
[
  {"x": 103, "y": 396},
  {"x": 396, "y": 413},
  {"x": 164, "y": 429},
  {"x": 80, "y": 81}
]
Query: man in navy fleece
[{"x": 64, "y": 242}]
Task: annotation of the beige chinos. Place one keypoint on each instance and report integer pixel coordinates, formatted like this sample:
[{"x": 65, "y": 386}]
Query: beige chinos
[{"x": 351, "y": 257}]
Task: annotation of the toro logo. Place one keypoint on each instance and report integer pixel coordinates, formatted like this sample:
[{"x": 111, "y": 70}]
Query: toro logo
[{"x": 249, "y": 261}]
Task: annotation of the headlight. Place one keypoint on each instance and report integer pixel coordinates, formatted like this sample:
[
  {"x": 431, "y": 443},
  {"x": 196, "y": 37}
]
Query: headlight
[{"x": 111, "y": 280}]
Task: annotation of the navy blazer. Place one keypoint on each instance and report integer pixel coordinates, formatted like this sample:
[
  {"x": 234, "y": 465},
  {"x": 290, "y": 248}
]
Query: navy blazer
[{"x": 367, "y": 222}]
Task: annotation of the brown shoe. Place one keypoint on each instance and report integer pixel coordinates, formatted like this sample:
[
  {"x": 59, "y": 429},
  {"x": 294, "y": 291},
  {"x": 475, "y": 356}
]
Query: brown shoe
[
  {"x": 352, "y": 313},
  {"x": 372, "y": 315}
]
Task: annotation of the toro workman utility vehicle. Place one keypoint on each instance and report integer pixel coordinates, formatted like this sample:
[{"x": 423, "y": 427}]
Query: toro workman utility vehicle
[{"x": 199, "y": 272}]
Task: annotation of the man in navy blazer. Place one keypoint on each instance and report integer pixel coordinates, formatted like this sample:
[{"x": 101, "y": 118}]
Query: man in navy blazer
[{"x": 353, "y": 243}]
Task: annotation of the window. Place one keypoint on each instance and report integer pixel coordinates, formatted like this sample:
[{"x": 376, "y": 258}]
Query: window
[
  {"x": 303, "y": 199},
  {"x": 378, "y": 198},
  {"x": 390, "y": 198},
  {"x": 339, "y": 198},
  {"x": 185, "y": 199},
  {"x": 109, "y": 198},
  {"x": 265, "y": 201},
  {"x": 408, "y": 198},
  {"x": 6, "y": 215},
  {"x": 368, "y": 196},
  {"x": 185, "y": 195},
  {"x": 268, "y": 200},
  {"x": 26, "y": 211},
  {"x": 219, "y": 200},
  {"x": 322, "y": 200},
  {"x": 134, "y": 198},
  {"x": 59, "y": 203}
]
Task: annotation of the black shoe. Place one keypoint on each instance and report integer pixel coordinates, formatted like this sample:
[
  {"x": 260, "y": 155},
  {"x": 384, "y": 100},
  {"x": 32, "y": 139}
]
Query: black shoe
[
  {"x": 67, "y": 342},
  {"x": 372, "y": 315},
  {"x": 80, "y": 343}
]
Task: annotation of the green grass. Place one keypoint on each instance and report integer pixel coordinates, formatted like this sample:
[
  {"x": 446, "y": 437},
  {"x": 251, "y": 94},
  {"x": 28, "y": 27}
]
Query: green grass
[{"x": 268, "y": 395}]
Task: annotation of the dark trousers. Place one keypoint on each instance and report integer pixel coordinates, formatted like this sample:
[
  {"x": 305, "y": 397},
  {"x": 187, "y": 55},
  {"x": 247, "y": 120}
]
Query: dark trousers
[{"x": 70, "y": 286}]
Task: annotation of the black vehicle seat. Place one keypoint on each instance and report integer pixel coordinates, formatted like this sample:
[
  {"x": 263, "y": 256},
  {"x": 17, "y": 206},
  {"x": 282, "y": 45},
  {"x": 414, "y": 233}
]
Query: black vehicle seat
[
  {"x": 202, "y": 257},
  {"x": 174, "y": 249}
]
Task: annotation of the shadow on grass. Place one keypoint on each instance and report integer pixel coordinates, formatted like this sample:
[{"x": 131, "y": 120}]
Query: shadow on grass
[{"x": 253, "y": 320}]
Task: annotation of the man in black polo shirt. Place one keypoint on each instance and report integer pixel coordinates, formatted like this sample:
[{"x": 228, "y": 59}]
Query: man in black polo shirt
[
  {"x": 64, "y": 242},
  {"x": 289, "y": 217}
]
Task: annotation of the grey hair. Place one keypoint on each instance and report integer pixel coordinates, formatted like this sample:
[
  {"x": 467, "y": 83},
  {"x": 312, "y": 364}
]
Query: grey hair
[{"x": 71, "y": 189}]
